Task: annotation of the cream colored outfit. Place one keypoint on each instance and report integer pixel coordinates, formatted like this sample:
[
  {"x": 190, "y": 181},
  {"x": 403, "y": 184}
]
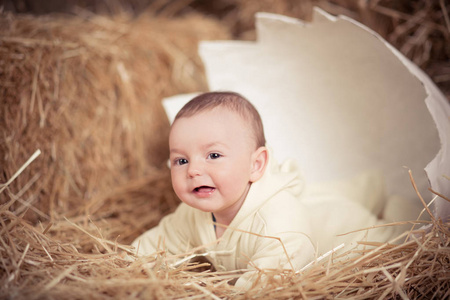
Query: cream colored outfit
[
  {"x": 277, "y": 211},
  {"x": 272, "y": 209}
]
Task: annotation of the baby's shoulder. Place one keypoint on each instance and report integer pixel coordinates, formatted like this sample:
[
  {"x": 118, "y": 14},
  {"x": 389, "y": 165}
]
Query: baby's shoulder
[{"x": 284, "y": 212}]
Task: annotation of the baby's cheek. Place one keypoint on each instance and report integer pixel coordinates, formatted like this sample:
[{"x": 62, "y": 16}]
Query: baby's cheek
[{"x": 177, "y": 184}]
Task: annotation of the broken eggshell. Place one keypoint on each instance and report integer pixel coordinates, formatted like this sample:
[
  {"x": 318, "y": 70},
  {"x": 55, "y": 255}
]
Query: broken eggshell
[{"x": 340, "y": 100}]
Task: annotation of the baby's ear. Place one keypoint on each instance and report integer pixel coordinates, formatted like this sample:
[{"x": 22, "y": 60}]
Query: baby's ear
[{"x": 259, "y": 162}]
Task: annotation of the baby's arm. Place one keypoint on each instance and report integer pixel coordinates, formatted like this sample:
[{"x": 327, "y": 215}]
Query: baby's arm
[
  {"x": 147, "y": 243},
  {"x": 171, "y": 235},
  {"x": 299, "y": 250},
  {"x": 283, "y": 244}
]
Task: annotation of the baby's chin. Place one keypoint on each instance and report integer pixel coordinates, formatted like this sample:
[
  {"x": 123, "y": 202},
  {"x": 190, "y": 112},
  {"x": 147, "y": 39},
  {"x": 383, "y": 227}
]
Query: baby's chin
[{"x": 201, "y": 204}]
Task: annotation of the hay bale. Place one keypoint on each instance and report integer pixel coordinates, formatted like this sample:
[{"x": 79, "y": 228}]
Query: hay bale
[{"x": 86, "y": 90}]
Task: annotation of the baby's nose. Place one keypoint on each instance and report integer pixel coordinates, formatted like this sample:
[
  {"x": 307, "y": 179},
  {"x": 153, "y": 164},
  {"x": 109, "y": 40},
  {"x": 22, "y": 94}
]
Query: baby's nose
[{"x": 194, "y": 169}]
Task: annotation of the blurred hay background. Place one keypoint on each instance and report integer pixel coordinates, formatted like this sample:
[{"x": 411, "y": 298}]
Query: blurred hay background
[
  {"x": 83, "y": 82},
  {"x": 87, "y": 91}
]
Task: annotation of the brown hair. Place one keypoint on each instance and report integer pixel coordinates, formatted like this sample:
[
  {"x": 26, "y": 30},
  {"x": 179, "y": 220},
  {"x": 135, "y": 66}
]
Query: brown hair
[{"x": 232, "y": 101}]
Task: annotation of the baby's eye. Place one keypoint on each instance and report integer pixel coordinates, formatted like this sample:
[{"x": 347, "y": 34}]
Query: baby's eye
[
  {"x": 214, "y": 155},
  {"x": 180, "y": 161}
]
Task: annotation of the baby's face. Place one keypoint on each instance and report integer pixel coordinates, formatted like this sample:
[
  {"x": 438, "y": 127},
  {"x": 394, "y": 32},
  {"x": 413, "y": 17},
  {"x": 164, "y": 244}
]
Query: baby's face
[{"x": 211, "y": 160}]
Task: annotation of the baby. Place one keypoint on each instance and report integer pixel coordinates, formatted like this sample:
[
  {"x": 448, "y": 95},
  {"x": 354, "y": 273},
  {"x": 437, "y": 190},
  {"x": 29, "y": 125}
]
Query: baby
[{"x": 238, "y": 202}]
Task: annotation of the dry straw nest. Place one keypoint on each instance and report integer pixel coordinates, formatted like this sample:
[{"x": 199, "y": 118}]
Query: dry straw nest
[
  {"x": 86, "y": 90},
  {"x": 71, "y": 259}
]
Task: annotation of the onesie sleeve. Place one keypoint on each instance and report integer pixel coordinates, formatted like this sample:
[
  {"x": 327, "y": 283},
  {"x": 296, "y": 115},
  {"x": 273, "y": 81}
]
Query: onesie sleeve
[
  {"x": 173, "y": 234},
  {"x": 284, "y": 242}
]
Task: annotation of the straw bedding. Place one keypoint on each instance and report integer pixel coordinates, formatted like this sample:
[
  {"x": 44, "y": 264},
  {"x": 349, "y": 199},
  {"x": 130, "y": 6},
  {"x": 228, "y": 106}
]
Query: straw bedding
[
  {"x": 86, "y": 91},
  {"x": 71, "y": 259}
]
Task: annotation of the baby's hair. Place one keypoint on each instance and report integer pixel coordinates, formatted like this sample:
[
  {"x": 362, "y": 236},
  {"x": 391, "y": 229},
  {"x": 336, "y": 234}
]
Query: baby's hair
[{"x": 232, "y": 101}]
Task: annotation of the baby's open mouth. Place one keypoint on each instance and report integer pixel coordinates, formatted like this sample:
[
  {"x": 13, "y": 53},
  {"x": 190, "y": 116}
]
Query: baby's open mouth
[{"x": 204, "y": 189}]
